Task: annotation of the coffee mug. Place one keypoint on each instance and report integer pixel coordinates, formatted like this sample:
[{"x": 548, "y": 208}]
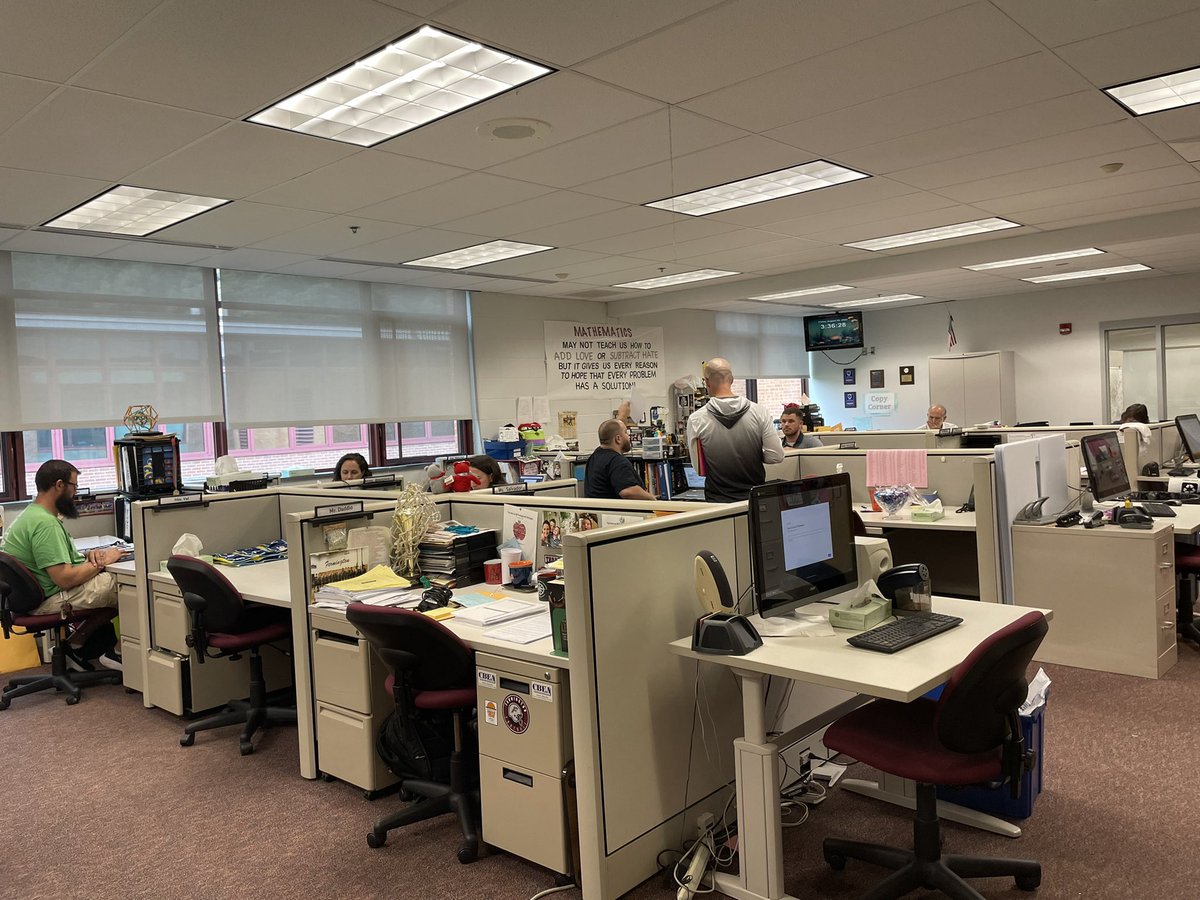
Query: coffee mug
[
  {"x": 492, "y": 571},
  {"x": 521, "y": 573}
]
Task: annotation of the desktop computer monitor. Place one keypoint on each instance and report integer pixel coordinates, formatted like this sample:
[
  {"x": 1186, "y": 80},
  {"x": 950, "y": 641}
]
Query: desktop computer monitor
[
  {"x": 1105, "y": 464},
  {"x": 695, "y": 481},
  {"x": 1189, "y": 435},
  {"x": 801, "y": 542}
]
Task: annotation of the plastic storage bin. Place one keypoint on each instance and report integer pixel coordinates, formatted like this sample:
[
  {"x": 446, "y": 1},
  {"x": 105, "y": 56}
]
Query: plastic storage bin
[{"x": 503, "y": 449}]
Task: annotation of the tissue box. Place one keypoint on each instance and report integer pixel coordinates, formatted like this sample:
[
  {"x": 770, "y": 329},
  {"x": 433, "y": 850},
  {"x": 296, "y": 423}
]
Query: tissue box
[
  {"x": 925, "y": 514},
  {"x": 206, "y": 557}
]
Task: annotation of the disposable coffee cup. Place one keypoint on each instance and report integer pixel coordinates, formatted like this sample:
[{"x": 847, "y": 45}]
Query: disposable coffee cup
[
  {"x": 493, "y": 572},
  {"x": 508, "y": 556}
]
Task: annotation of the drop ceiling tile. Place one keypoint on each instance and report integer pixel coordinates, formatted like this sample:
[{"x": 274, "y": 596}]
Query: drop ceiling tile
[
  {"x": 53, "y": 39},
  {"x": 66, "y": 244},
  {"x": 1113, "y": 138},
  {"x": 1069, "y": 21},
  {"x": 983, "y": 92},
  {"x": 540, "y": 212},
  {"x": 151, "y": 251},
  {"x": 959, "y": 41},
  {"x": 814, "y": 204},
  {"x": 723, "y": 249},
  {"x": 630, "y": 145},
  {"x": 232, "y": 58},
  {"x": 316, "y": 268},
  {"x": 594, "y": 228},
  {"x": 253, "y": 260},
  {"x": 19, "y": 95},
  {"x": 682, "y": 229},
  {"x": 415, "y": 244},
  {"x": 590, "y": 268},
  {"x": 819, "y": 227},
  {"x": 332, "y": 236},
  {"x": 538, "y": 265},
  {"x": 473, "y": 193},
  {"x": 94, "y": 135},
  {"x": 238, "y": 160},
  {"x": 365, "y": 178},
  {"x": 1166, "y": 45},
  {"x": 1181, "y": 124},
  {"x": 422, "y": 8},
  {"x": 238, "y": 224},
  {"x": 1120, "y": 184},
  {"x": 34, "y": 198},
  {"x": 1143, "y": 202},
  {"x": 793, "y": 261},
  {"x": 570, "y": 103}
]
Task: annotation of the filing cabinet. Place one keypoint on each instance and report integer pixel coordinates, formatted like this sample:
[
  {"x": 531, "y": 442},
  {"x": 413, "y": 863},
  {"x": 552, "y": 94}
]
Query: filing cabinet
[{"x": 130, "y": 620}]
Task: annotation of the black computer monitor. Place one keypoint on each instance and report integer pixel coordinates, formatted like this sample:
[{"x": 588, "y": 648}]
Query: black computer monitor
[
  {"x": 1105, "y": 464},
  {"x": 974, "y": 440},
  {"x": 1189, "y": 435},
  {"x": 801, "y": 542}
]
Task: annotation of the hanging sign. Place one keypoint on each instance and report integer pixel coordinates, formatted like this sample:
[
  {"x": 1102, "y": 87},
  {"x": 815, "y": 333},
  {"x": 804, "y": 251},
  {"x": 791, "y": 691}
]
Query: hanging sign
[{"x": 595, "y": 360}]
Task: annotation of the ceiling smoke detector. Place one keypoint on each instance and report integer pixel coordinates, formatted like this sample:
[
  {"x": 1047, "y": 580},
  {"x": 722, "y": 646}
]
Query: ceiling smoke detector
[{"x": 513, "y": 129}]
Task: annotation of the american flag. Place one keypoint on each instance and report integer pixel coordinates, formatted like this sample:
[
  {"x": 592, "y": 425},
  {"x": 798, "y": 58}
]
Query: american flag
[{"x": 951, "y": 340}]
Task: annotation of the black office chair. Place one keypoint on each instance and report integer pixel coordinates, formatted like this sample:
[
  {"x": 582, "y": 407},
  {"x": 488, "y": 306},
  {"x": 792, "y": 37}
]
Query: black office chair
[
  {"x": 971, "y": 735},
  {"x": 20, "y": 594},
  {"x": 432, "y": 671},
  {"x": 221, "y": 620}
]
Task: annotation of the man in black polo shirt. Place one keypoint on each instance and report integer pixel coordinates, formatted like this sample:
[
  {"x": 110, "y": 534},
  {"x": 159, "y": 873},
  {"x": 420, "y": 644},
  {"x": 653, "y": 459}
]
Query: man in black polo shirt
[{"x": 610, "y": 476}]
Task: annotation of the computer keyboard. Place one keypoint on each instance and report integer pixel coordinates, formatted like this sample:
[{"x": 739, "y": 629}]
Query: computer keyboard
[
  {"x": 904, "y": 632},
  {"x": 1158, "y": 510}
]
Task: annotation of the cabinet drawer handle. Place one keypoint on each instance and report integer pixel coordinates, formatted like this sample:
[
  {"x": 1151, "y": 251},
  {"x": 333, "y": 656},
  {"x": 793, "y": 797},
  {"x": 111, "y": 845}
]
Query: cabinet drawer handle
[
  {"x": 518, "y": 777},
  {"x": 1165, "y": 565}
]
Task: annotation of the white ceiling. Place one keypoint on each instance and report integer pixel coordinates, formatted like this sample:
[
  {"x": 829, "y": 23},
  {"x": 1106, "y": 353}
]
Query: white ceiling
[{"x": 959, "y": 110}]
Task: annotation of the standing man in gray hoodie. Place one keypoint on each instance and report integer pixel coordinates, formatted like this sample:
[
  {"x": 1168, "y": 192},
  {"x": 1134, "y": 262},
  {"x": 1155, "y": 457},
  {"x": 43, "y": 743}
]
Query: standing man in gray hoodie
[{"x": 730, "y": 439}]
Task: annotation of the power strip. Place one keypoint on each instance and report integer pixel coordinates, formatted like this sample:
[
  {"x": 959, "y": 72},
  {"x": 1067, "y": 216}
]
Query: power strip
[{"x": 695, "y": 872}]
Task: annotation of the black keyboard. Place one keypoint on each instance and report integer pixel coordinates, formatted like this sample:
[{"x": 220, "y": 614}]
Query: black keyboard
[
  {"x": 1158, "y": 510},
  {"x": 904, "y": 632}
]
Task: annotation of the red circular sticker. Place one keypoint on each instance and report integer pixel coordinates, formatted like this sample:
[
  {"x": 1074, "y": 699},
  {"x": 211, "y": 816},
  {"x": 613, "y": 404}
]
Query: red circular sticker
[
  {"x": 519, "y": 530},
  {"x": 516, "y": 714}
]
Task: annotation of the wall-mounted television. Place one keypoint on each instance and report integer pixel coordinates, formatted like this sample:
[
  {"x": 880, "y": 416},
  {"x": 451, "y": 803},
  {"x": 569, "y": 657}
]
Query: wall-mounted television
[{"x": 833, "y": 331}]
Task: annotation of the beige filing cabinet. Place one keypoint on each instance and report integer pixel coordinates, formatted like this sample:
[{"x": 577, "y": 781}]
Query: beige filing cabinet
[
  {"x": 975, "y": 387},
  {"x": 524, "y": 744},
  {"x": 1112, "y": 590},
  {"x": 132, "y": 645},
  {"x": 177, "y": 683},
  {"x": 351, "y": 703}
]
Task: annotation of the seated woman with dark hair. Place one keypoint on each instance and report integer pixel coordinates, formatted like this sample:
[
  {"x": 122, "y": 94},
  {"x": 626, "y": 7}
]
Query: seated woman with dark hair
[
  {"x": 487, "y": 470},
  {"x": 351, "y": 467},
  {"x": 1135, "y": 412}
]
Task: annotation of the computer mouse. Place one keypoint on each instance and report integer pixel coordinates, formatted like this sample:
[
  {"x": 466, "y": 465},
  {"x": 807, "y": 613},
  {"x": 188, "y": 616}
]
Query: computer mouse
[{"x": 1133, "y": 519}]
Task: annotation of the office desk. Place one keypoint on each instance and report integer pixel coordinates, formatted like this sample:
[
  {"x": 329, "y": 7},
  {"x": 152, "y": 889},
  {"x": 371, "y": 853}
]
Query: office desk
[
  {"x": 948, "y": 546},
  {"x": 265, "y": 583},
  {"x": 831, "y": 662},
  {"x": 952, "y": 521}
]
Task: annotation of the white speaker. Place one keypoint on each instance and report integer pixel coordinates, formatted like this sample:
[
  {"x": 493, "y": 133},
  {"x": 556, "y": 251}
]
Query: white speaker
[
  {"x": 712, "y": 587},
  {"x": 874, "y": 557}
]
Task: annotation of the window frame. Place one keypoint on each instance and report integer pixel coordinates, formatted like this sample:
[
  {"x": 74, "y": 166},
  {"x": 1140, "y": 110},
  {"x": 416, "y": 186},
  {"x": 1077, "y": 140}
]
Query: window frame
[{"x": 464, "y": 433}]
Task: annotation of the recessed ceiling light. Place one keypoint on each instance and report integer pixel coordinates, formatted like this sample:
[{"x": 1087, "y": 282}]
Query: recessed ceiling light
[
  {"x": 135, "y": 211},
  {"x": 1030, "y": 260},
  {"x": 806, "y": 177},
  {"x": 467, "y": 257},
  {"x": 806, "y": 292},
  {"x": 891, "y": 298},
  {"x": 1158, "y": 93},
  {"x": 681, "y": 278},
  {"x": 1088, "y": 273},
  {"x": 424, "y": 76},
  {"x": 945, "y": 233}
]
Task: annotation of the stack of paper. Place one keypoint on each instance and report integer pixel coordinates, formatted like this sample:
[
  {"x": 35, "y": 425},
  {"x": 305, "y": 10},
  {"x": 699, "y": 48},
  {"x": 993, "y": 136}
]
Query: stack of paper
[
  {"x": 496, "y": 612},
  {"x": 379, "y": 586}
]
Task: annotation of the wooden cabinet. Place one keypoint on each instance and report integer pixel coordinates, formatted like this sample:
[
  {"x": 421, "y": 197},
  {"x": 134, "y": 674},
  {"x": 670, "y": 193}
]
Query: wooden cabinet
[
  {"x": 1112, "y": 591},
  {"x": 974, "y": 387}
]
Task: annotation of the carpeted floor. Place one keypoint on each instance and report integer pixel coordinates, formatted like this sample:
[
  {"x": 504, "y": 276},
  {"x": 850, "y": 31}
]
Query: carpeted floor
[{"x": 101, "y": 802}]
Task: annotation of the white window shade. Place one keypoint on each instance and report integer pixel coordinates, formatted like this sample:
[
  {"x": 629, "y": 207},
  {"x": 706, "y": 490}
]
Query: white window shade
[
  {"x": 82, "y": 339},
  {"x": 327, "y": 351},
  {"x": 762, "y": 346}
]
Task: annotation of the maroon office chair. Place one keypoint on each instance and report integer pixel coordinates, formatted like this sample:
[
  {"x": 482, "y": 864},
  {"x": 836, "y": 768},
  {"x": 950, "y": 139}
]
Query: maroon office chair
[
  {"x": 432, "y": 671},
  {"x": 20, "y": 594},
  {"x": 1187, "y": 571},
  {"x": 222, "y": 620},
  {"x": 971, "y": 735}
]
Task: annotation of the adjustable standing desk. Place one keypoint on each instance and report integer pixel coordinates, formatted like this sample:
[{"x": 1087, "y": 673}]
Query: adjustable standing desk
[{"x": 830, "y": 662}]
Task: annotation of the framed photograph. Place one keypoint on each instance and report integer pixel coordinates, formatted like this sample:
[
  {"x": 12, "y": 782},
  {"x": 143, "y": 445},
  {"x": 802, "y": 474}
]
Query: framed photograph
[
  {"x": 907, "y": 375},
  {"x": 848, "y": 376},
  {"x": 876, "y": 379},
  {"x": 851, "y": 399}
]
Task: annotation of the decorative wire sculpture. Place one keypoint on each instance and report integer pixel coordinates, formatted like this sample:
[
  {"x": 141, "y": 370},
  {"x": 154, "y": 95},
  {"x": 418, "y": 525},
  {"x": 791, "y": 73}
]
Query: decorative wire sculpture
[
  {"x": 140, "y": 419},
  {"x": 415, "y": 514}
]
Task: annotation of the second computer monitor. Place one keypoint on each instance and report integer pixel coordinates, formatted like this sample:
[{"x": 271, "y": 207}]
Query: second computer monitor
[
  {"x": 801, "y": 542},
  {"x": 1189, "y": 435},
  {"x": 1105, "y": 464}
]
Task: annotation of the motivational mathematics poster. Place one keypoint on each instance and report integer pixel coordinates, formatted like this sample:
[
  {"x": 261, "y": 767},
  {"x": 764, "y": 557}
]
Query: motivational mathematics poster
[{"x": 598, "y": 360}]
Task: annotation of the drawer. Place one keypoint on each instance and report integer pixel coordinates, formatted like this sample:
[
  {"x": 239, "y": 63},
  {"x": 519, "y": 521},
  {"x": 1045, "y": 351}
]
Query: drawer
[
  {"x": 170, "y": 622},
  {"x": 131, "y": 662},
  {"x": 1164, "y": 563},
  {"x": 346, "y": 747},
  {"x": 127, "y": 604},
  {"x": 164, "y": 681},
  {"x": 1166, "y": 615},
  {"x": 524, "y": 813},
  {"x": 349, "y": 674},
  {"x": 521, "y": 717}
]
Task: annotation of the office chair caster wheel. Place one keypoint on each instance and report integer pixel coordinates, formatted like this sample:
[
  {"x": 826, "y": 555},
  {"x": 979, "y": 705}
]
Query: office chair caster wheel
[
  {"x": 326, "y": 777},
  {"x": 4, "y": 703},
  {"x": 1028, "y": 882},
  {"x": 836, "y": 861},
  {"x": 468, "y": 853},
  {"x": 71, "y": 701},
  {"x": 375, "y": 841},
  {"x": 246, "y": 747},
  {"x": 187, "y": 740}
]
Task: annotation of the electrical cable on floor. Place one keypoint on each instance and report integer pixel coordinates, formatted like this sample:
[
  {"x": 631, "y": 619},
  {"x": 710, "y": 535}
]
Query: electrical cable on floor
[{"x": 555, "y": 890}]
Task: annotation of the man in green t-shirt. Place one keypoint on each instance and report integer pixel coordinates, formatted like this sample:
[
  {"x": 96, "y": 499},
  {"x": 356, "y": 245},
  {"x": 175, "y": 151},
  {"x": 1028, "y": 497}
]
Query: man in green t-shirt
[{"x": 38, "y": 539}]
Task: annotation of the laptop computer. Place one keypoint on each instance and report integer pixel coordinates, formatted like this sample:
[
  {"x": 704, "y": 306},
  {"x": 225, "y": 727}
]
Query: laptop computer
[{"x": 695, "y": 486}]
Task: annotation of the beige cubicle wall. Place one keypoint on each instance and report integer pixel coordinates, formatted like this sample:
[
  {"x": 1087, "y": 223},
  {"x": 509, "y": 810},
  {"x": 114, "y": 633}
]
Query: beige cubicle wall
[{"x": 915, "y": 439}]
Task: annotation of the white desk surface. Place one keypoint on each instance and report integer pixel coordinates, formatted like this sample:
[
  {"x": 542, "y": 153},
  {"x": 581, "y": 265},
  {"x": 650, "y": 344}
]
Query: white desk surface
[
  {"x": 260, "y": 583},
  {"x": 952, "y": 521},
  {"x": 124, "y": 567},
  {"x": 903, "y": 676},
  {"x": 1187, "y": 519}
]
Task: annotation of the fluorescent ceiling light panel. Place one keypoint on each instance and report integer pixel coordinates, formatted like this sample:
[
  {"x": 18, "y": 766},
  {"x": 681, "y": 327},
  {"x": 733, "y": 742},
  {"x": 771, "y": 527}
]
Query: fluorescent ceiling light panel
[
  {"x": 945, "y": 233},
  {"x": 806, "y": 292},
  {"x": 1088, "y": 273},
  {"x": 1158, "y": 93},
  {"x": 135, "y": 211},
  {"x": 806, "y": 177},
  {"x": 420, "y": 78},
  {"x": 480, "y": 254},
  {"x": 1030, "y": 260},
  {"x": 892, "y": 298},
  {"x": 682, "y": 278}
]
